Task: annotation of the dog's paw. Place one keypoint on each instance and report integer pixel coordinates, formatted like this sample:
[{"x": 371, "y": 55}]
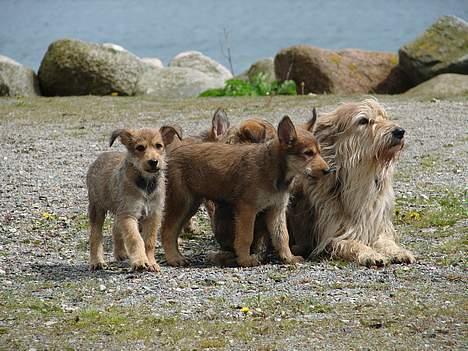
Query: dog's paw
[
  {"x": 120, "y": 256},
  {"x": 372, "y": 259},
  {"x": 177, "y": 261},
  {"x": 248, "y": 261},
  {"x": 97, "y": 266},
  {"x": 403, "y": 256},
  {"x": 139, "y": 264},
  {"x": 222, "y": 258},
  {"x": 191, "y": 228},
  {"x": 296, "y": 260},
  {"x": 153, "y": 267}
]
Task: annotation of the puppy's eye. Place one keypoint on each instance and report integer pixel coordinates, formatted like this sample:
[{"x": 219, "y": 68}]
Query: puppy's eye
[
  {"x": 309, "y": 153},
  {"x": 158, "y": 146},
  {"x": 363, "y": 120},
  {"x": 140, "y": 148}
]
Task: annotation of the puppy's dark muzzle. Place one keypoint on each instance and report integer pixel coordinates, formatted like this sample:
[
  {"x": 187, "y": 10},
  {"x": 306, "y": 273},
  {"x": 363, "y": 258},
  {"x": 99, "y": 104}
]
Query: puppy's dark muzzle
[
  {"x": 153, "y": 166},
  {"x": 329, "y": 170}
]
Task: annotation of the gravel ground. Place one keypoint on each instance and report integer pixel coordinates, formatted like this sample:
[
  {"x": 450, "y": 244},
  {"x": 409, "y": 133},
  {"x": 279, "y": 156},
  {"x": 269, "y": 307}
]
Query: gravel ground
[{"x": 50, "y": 300}]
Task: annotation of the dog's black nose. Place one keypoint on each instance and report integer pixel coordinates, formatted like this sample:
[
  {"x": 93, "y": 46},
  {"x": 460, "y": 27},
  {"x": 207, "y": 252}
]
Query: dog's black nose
[
  {"x": 153, "y": 163},
  {"x": 398, "y": 132}
]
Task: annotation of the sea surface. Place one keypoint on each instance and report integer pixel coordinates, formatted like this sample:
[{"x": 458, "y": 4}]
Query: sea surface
[{"x": 249, "y": 29}]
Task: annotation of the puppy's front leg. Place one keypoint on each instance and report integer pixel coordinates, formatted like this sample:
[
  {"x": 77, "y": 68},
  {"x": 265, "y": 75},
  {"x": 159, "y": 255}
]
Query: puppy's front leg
[
  {"x": 276, "y": 223},
  {"x": 149, "y": 231},
  {"x": 243, "y": 238},
  {"x": 133, "y": 242}
]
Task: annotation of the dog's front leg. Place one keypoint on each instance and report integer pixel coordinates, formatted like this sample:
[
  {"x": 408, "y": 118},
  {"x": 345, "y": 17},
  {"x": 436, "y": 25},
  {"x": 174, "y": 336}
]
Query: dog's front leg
[
  {"x": 387, "y": 246},
  {"x": 276, "y": 223},
  {"x": 243, "y": 238},
  {"x": 149, "y": 231},
  {"x": 353, "y": 250},
  {"x": 133, "y": 242}
]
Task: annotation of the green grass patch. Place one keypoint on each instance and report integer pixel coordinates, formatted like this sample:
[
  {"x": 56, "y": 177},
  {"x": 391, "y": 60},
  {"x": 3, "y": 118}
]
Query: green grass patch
[
  {"x": 258, "y": 86},
  {"x": 435, "y": 211}
]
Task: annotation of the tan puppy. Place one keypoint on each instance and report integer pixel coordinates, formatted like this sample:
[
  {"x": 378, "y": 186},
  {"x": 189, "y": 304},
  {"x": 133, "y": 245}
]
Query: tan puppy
[
  {"x": 349, "y": 213},
  {"x": 132, "y": 186},
  {"x": 251, "y": 177}
]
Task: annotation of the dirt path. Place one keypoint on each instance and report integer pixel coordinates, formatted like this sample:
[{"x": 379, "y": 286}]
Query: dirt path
[{"x": 49, "y": 299}]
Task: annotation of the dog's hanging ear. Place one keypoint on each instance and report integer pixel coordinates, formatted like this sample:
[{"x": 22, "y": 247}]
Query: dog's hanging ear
[
  {"x": 286, "y": 132},
  {"x": 220, "y": 123},
  {"x": 168, "y": 133},
  {"x": 126, "y": 136},
  {"x": 311, "y": 122}
]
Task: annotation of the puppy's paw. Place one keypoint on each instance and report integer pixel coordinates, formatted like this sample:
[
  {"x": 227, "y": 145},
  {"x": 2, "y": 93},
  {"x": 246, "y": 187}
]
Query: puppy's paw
[
  {"x": 153, "y": 267},
  {"x": 120, "y": 256},
  {"x": 294, "y": 260},
  {"x": 372, "y": 259},
  {"x": 248, "y": 261},
  {"x": 97, "y": 265},
  {"x": 177, "y": 261},
  {"x": 403, "y": 256},
  {"x": 191, "y": 228},
  {"x": 222, "y": 258},
  {"x": 139, "y": 264}
]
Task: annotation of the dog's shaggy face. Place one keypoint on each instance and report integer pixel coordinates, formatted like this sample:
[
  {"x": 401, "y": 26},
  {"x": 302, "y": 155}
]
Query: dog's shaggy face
[{"x": 361, "y": 132}]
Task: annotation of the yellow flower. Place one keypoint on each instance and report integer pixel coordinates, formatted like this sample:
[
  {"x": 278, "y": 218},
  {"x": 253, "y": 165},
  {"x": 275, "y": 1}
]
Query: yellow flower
[
  {"x": 114, "y": 93},
  {"x": 245, "y": 310},
  {"x": 48, "y": 216}
]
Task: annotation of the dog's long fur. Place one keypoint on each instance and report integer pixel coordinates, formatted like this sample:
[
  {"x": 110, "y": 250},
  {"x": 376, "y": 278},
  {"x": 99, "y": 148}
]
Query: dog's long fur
[
  {"x": 349, "y": 213},
  {"x": 251, "y": 178},
  {"x": 131, "y": 185}
]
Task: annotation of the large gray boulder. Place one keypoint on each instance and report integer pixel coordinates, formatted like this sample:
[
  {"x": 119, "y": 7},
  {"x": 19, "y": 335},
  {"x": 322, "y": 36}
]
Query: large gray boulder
[
  {"x": 197, "y": 61},
  {"x": 175, "y": 82},
  {"x": 348, "y": 71},
  {"x": 443, "y": 85},
  {"x": 264, "y": 67},
  {"x": 442, "y": 48},
  {"x": 16, "y": 79},
  {"x": 74, "y": 67}
]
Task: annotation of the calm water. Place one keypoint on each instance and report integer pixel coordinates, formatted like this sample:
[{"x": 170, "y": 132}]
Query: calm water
[{"x": 256, "y": 28}]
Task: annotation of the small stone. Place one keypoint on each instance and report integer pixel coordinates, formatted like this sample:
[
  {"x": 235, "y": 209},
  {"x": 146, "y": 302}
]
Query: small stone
[{"x": 102, "y": 287}]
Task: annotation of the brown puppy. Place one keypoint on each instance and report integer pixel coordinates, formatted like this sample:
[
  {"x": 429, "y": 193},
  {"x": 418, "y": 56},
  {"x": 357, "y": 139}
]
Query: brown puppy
[
  {"x": 251, "y": 177},
  {"x": 132, "y": 186},
  {"x": 252, "y": 130},
  {"x": 349, "y": 213}
]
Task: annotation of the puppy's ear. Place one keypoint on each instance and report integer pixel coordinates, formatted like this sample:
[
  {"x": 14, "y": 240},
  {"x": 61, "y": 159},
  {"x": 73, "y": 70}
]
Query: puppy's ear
[
  {"x": 252, "y": 131},
  {"x": 220, "y": 123},
  {"x": 311, "y": 122},
  {"x": 126, "y": 136},
  {"x": 286, "y": 132},
  {"x": 168, "y": 133}
]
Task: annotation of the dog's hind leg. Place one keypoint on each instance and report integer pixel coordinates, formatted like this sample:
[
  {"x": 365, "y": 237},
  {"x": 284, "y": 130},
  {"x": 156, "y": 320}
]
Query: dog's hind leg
[
  {"x": 275, "y": 219},
  {"x": 149, "y": 231},
  {"x": 355, "y": 251},
  {"x": 120, "y": 253},
  {"x": 244, "y": 218},
  {"x": 177, "y": 213},
  {"x": 96, "y": 221},
  {"x": 388, "y": 247}
]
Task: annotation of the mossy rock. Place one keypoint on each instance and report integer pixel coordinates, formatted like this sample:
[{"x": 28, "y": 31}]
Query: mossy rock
[
  {"x": 74, "y": 67},
  {"x": 197, "y": 61},
  {"x": 264, "y": 67},
  {"x": 443, "y": 85},
  {"x": 442, "y": 48},
  {"x": 175, "y": 82},
  {"x": 348, "y": 71},
  {"x": 16, "y": 79}
]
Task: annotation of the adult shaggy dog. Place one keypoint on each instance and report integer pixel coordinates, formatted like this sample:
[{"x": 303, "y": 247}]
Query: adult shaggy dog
[{"x": 348, "y": 214}]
